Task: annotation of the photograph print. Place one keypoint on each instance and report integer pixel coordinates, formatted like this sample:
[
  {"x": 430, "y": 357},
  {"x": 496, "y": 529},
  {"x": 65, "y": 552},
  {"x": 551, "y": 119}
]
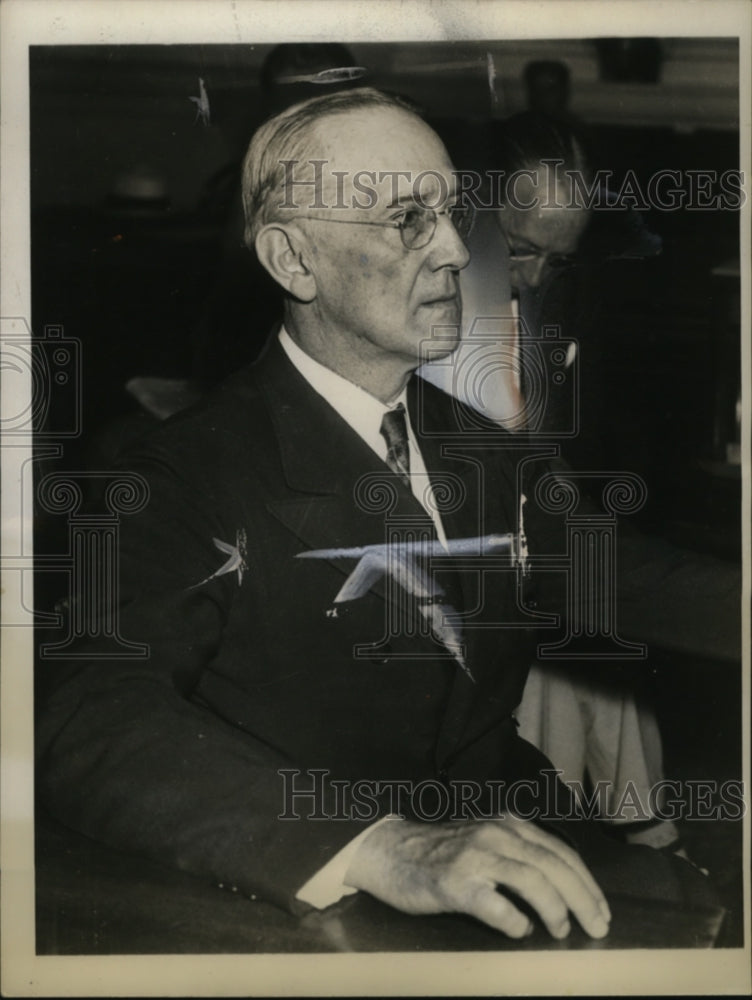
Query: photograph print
[{"x": 383, "y": 498}]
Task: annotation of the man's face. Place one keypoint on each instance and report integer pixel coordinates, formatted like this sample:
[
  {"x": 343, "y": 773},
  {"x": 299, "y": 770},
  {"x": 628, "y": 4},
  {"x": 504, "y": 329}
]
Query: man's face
[
  {"x": 539, "y": 238},
  {"x": 372, "y": 293}
]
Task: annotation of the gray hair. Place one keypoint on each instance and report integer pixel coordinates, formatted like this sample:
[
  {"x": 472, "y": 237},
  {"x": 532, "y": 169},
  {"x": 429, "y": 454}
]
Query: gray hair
[{"x": 291, "y": 135}]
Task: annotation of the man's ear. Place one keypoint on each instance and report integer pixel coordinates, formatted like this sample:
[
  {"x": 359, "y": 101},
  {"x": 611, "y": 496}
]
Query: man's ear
[{"x": 280, "y": 250}]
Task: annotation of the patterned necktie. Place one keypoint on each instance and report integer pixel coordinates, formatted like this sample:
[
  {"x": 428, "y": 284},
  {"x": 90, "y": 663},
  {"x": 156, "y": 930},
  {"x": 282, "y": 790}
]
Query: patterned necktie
[
  {"x": 437, "y": 610},
  {"x": 394, "y": 431}
]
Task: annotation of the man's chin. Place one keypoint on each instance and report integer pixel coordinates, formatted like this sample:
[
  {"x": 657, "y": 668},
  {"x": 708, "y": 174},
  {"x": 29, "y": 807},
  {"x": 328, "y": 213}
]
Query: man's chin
[{"x": 440, "y": 341}]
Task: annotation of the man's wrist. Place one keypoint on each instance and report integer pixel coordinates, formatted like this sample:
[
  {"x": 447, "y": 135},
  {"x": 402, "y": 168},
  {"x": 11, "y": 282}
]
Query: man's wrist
[
  {"x": 329, "y": 884},
  {"x": 366, "y": 863}
]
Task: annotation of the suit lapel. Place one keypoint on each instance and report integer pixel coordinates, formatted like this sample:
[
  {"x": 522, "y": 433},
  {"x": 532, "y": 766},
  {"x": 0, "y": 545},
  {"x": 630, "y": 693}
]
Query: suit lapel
[
  {"x": 336, "y": 481},
  {"x": 456, "y": 475},
  {"x": 451, "y": 449},
  {"x": 324, "y": 461}
]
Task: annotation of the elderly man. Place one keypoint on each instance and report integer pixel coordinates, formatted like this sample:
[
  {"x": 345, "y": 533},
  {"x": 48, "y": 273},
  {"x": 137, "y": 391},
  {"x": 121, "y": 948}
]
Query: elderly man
[{"x": 278, "y": 679}]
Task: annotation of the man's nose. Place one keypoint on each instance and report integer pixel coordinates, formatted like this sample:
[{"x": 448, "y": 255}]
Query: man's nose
[
  {"x": 530, "y": 272},
  {"x": 447, "y": 246}
]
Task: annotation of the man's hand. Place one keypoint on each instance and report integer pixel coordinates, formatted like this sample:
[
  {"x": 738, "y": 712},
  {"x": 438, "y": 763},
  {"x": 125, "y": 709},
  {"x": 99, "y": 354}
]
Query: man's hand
[{"x": 456, "y": 867}]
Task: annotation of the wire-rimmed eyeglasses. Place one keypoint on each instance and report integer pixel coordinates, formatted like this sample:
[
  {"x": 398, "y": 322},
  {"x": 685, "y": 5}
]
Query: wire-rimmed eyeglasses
[{"x": 417, "y": 224}]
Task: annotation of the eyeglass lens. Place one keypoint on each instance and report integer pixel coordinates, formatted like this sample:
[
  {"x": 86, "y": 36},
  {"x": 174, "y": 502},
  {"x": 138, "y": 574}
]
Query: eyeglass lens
[{"x": 419, "y": 224}]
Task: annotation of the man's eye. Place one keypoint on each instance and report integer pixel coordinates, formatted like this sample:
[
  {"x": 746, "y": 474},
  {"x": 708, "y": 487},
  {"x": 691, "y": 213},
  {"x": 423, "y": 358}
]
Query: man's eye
[
  {"x": 409, "y": 218},
  {"x": 518, "y": 253}
]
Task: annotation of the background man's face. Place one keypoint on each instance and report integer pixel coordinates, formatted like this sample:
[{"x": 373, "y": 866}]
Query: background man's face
[
  {"x": 538, "y": 235},
  {"x": 383, "y": 298}
]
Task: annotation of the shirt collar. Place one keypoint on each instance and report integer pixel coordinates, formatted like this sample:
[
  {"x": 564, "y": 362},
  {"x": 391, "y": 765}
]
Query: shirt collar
[{"x": 358, "y": 408}]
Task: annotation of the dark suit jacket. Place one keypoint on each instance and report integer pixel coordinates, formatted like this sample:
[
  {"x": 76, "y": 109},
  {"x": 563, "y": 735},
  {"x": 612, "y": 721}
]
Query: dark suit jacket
[{"x": 178, "y": 756}]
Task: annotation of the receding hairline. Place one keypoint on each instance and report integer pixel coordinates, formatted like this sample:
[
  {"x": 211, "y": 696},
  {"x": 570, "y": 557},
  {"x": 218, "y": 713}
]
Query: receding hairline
[
  {"x": 309, "y": 132},
  {"x": 327, "y": 141},
  {"x": 297, "y": 129}
]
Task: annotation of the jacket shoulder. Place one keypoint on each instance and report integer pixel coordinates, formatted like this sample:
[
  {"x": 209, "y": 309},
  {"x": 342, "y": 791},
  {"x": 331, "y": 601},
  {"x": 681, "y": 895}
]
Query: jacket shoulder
[{"x": 229, "y": 422}]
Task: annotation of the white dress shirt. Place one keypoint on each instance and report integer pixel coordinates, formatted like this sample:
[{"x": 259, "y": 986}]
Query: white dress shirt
[{"x": 364, "y": 413}]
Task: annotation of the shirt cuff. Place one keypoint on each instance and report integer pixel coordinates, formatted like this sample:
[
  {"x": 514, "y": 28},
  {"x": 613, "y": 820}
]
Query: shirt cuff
[{"x": 327, "y": 886}]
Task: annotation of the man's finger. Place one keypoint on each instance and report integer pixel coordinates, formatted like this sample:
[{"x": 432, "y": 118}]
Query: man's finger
[
  {"x": 571, "y": 887},
  {"x": 534, "y": 834},
  {"x": 564, "y": 870},
  {"x": 534, "y": 886},
  {"x": 486, "y": 905}
]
